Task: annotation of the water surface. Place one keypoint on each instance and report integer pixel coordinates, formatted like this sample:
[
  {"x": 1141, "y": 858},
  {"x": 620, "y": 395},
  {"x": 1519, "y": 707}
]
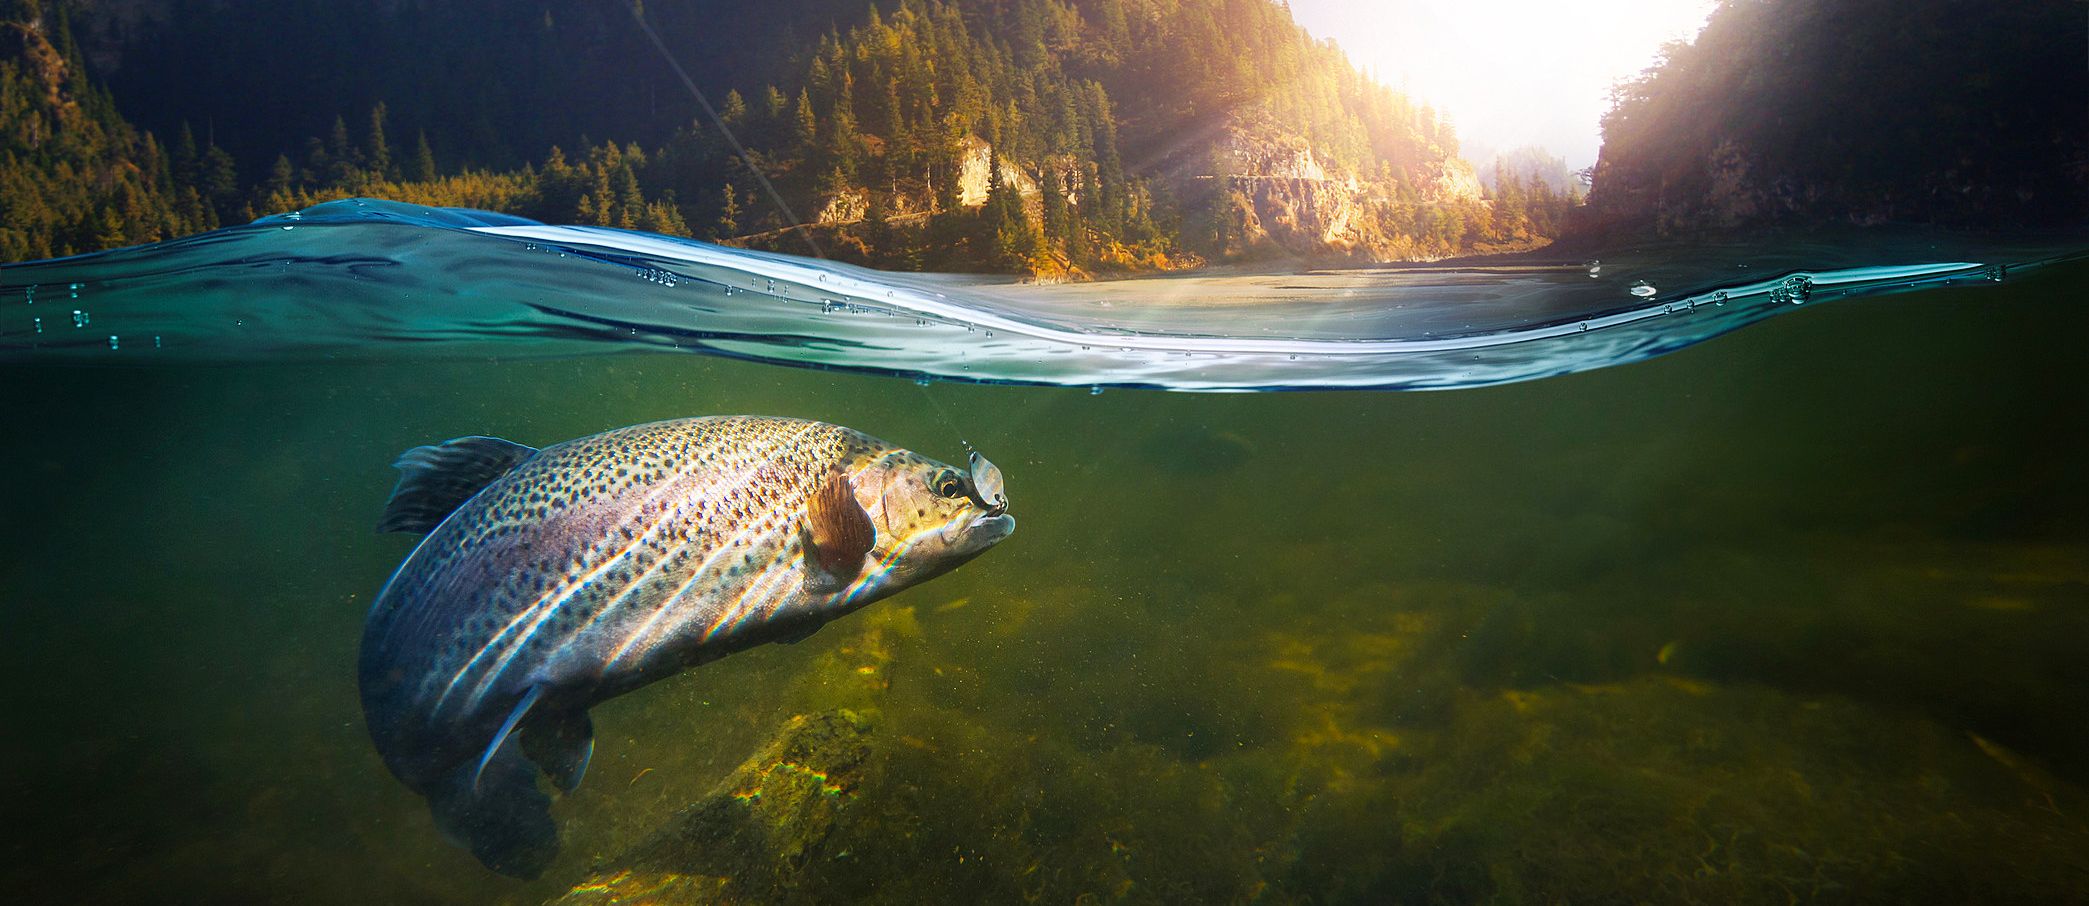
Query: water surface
[{"x": 361, "y": 279}]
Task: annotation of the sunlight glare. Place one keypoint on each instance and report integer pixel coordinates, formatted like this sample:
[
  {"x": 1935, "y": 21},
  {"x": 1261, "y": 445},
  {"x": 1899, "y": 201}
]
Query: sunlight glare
[{"x": 1511, "y": 72}]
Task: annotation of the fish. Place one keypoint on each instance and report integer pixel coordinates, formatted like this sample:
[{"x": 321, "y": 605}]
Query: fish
[{"x": 551, "y": 580}]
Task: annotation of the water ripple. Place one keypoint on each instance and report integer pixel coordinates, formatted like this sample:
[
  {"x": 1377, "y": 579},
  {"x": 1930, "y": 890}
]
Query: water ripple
[{"x": 368, "y": 280}]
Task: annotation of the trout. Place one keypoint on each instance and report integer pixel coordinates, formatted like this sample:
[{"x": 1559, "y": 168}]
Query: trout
[{"x": 550, "y": 580}]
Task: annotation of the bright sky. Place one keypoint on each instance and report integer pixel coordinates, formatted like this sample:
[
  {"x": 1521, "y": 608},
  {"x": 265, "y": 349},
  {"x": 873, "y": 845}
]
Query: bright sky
[{"x": 1511, "y": 72}]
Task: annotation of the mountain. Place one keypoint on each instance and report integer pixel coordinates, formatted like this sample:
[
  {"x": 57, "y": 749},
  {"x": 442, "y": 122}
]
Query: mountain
[
  {"x": 1958, "y": 113},
  {"x": 1051, "y": 137}
]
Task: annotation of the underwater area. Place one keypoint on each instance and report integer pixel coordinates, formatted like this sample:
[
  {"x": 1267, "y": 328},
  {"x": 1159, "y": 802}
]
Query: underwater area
[{"x": 1799, "y": 613}]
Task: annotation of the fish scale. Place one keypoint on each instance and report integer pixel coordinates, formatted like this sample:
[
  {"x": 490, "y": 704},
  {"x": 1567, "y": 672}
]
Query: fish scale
[
  {"x": 584, "y": 475},
  {"x": 554, "y": 579}
]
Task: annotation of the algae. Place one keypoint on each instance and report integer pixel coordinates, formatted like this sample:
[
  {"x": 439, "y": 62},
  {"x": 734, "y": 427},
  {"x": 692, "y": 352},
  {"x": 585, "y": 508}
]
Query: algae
[{"x": 905, "y": 778}]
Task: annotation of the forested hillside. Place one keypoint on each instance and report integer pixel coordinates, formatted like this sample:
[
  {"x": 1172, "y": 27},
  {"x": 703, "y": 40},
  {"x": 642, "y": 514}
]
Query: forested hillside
[
  {"x": 1947, "y": 112},
  {"x": 74, "y": 177},
  {"x": 1043, "y": 137}
]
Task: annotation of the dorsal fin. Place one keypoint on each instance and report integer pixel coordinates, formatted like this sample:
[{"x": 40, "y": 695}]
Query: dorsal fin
[{"x": 435, "y": 480}]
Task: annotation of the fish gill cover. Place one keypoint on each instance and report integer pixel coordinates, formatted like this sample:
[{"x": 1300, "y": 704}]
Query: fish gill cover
[{"x": 363, "y": 279}]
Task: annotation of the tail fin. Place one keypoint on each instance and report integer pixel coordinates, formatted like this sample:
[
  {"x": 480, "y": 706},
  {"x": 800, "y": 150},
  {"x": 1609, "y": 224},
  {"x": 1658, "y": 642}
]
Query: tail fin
[{"x": 497, "y": 812}]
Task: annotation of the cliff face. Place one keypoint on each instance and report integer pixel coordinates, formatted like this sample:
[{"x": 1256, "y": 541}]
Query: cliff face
[
  {"x": 1263, "y": 192},
  {"x": 1267, "y": 190},
  {"x": 975, "y": 161}
]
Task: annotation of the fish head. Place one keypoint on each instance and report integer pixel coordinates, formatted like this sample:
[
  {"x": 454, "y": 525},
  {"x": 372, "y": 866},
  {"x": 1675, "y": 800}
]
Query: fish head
[{"x": 930, "y": 517}]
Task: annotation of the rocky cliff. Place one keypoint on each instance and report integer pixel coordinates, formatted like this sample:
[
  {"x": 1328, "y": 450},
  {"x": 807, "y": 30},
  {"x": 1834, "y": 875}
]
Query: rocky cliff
[{"x": 1262, "y": 192}]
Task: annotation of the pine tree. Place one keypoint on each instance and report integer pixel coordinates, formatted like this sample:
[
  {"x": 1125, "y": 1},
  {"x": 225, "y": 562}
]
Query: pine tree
[
  {"x": 423, "y": 169},
  {"x": 1053, "y": 201},
  {"x": 342, "y": 159},
  {"x": 734, "y": 110},
  {"x": 377, "y": 154},
  {"x": 218, "y": 181},
  {"x": 728, "y": 215},
  {"x": 807, "y": 126}
]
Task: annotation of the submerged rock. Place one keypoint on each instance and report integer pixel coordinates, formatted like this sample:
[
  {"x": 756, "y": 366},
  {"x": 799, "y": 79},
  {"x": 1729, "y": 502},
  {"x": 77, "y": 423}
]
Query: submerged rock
[{"x": 751, "y": 839}]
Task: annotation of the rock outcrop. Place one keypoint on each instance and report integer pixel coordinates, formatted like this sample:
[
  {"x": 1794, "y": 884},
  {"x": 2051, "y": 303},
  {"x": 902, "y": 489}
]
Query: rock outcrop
[
  {"x": 752, "y": 840},
  {"x": 976, "y": 159}
]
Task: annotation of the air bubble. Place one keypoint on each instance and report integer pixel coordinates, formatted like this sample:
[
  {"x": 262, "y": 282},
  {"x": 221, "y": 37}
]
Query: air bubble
[
  {"x": 1095, "y": 390},
  {"x": 1795, "y": 289},
  {"x": 1642, "y": 289},
  {"x": 1997, "y": 272},
  {"x": 1584, "y": 325},
  {"x": 38, "y": 323},
  {"x": 922, "y": 382},
  {"x": 1595, "y": 268},
  {"x": 1719, "y": 298},
  {"x": 989, "y": 334},
  {"x": 112, "y": 341},
  {"x": 79, "y": 318}
]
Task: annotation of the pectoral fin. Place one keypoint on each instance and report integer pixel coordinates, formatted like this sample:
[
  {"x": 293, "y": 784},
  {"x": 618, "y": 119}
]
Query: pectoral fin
[
  {"x": 561, "y": 744},
  {"x": 500, "y": 737},
  {"x": 837, "y": 535}
]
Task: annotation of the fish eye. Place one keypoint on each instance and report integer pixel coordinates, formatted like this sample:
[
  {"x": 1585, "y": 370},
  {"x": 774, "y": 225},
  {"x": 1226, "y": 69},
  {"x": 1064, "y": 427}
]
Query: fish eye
[{"x": 947, "y": 484}]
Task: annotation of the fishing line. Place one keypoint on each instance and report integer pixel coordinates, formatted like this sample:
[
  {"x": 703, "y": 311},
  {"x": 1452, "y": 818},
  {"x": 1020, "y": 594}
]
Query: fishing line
[
  {"x": 936, "y": 406},
  {"x": 638, "y": 13}
]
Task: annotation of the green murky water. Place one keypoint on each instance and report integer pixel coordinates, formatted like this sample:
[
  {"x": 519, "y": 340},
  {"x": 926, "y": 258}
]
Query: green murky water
[{"x": 1801, "y": 613}]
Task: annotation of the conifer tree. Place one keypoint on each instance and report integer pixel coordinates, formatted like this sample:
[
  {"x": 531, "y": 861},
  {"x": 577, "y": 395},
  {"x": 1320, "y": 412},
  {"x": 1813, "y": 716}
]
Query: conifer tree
[
  {"x": 728, "y": 224},
  {"x": 423, "y": 169}
]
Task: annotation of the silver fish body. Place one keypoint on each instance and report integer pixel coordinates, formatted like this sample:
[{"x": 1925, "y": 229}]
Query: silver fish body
[{"x": 552, "y": 580}]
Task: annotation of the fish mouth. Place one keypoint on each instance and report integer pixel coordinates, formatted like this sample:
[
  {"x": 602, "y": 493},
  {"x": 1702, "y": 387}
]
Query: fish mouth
[{"x": 982, "y": 530}]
